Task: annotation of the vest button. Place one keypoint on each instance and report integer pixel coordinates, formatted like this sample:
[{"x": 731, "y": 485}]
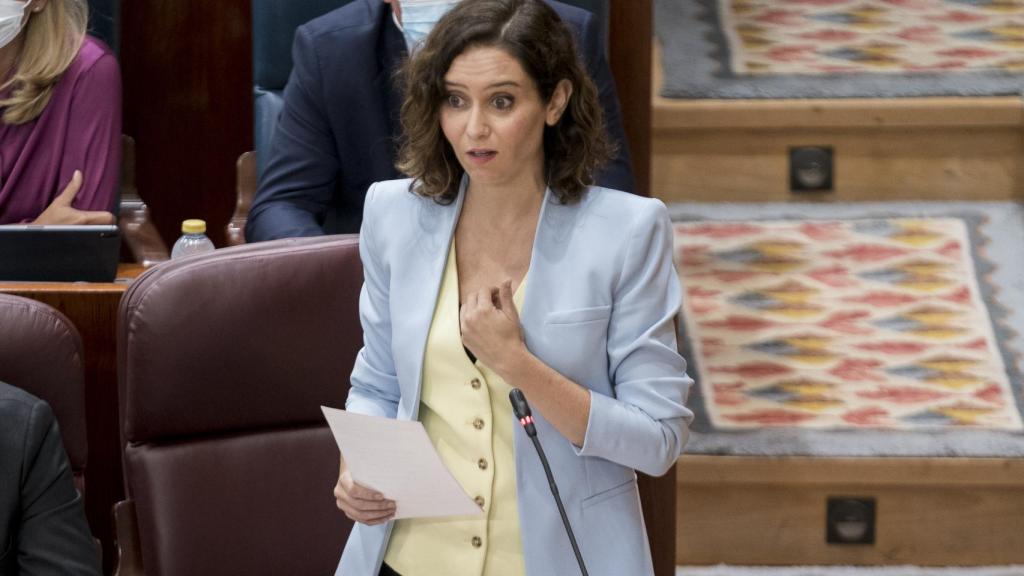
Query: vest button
[
  {"x": 475, "y": 383},
  {"x": 478, "y": 424},
  {"x": 479, "y": 501},
  {"x": 477, "y": 542},
  {"x": 482, "y": 464}
]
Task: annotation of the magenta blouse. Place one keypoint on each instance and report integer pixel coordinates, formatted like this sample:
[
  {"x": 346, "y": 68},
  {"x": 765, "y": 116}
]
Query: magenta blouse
[{"x": 80, "y": 129}]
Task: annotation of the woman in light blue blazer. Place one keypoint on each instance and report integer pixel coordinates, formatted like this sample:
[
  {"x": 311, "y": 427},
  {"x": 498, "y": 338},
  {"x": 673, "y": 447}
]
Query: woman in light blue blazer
[{"x": 565, "y": 290}]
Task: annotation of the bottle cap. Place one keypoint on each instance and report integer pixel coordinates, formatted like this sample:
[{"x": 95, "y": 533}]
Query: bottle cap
[{"x": 193, "y": 226}]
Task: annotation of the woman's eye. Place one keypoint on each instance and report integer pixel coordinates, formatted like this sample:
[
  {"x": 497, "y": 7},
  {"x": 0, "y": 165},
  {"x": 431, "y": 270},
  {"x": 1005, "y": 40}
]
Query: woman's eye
[
  {"x": 454, "y": 101},
  {"x": 502, "y": 102}
]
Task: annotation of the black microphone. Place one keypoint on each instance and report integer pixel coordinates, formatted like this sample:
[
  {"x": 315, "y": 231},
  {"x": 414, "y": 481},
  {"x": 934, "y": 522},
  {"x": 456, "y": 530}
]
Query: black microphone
[{"x": 522, "y": 411}]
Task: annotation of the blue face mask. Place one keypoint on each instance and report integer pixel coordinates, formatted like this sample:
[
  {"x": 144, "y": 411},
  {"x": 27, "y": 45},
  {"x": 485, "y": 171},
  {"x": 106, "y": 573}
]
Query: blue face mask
[{"x": 419, "y": 18}]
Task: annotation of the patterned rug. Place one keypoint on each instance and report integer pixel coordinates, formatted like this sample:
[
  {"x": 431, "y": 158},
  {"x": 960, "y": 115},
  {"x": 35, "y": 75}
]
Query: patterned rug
[
  {"x": 891, "y": 324},
  {"x": 840, "y": 48}
]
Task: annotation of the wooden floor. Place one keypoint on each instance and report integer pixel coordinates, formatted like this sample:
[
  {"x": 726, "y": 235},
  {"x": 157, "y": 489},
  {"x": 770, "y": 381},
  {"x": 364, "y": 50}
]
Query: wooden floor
[
  {"x": 750, "y": 510},
  {"x": 885, "y": 149}
]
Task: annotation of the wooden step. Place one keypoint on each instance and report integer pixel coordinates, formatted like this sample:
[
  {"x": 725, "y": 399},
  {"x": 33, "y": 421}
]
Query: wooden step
[
  {"x": 898, "y": 149},
  {"x": 772, "y": 511}
]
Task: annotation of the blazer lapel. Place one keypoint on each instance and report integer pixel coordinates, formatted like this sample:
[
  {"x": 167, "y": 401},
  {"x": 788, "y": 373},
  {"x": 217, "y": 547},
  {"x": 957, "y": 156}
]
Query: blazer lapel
[
  {"x": 550, "y": 241},
  {"x": 425, "y": 268}
]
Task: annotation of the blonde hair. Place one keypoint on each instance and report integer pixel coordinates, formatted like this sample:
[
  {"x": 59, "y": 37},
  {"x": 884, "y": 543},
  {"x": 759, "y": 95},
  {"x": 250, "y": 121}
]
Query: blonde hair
[{"x": 53, "y": 37}]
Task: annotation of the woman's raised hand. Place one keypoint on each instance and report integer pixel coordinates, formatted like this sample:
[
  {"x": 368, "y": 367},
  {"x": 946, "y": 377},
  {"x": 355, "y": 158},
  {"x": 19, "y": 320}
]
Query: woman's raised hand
[
  {"x": 60, "y": 210},
  {"x": 360, "y": 503},
  {"x": 490, "y": 326}
]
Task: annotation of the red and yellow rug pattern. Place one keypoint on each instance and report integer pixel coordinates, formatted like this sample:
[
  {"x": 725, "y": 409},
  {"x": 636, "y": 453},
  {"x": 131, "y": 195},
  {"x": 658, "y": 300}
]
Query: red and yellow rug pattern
[
  {"x": 819, "y": 37},
  {"x": 855, "y": 324}
]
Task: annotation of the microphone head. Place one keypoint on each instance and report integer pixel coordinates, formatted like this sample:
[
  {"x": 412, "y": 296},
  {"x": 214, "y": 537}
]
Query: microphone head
[
  {"x": 522, "y": 411},
  {"x": 519, "y": 405}
]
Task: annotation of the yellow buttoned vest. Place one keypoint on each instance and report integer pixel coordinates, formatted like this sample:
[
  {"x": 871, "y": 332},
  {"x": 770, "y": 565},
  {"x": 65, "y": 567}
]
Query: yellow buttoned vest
[{"x": 465, "y": 410}]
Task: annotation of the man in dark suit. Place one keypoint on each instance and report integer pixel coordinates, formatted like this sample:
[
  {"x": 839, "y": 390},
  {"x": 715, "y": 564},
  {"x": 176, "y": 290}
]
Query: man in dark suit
[
  {"x": 42, "y": 521},
  {"x": 339, "y": 128}
]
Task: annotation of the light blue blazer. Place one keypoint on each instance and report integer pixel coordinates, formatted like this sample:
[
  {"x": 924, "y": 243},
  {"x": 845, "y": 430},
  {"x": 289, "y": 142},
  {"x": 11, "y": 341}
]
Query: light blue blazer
[{"x": 601, "y": 296}]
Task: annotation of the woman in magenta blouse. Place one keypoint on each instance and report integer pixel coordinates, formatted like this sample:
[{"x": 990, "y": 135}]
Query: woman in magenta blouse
[{"x": 60, "y": 116}]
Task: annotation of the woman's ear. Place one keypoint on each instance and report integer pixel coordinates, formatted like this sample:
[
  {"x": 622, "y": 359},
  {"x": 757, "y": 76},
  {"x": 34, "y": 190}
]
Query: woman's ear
[
  {"x": 558, "y": 102},
  {"x": 37, "y": 5}
]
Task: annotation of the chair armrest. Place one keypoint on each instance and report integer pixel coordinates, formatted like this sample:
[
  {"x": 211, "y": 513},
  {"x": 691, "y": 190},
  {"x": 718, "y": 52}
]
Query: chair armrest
[
  {"x": 139, "y": 233},
  {"x": 126, "y": 534},
  {"x": 245, "y": 191}
]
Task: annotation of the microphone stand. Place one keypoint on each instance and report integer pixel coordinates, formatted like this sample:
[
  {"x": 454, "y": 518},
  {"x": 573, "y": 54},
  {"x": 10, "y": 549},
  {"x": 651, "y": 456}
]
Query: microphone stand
[{"x": 522, "y": 411}]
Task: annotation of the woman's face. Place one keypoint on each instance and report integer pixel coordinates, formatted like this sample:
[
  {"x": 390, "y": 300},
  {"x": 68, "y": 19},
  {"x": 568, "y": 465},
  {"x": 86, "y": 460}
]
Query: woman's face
[{"x": 494, "y": 118}]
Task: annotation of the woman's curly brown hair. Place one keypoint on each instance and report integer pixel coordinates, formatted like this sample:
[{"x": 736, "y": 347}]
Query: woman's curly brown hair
[{"x": 531, "y": 32}]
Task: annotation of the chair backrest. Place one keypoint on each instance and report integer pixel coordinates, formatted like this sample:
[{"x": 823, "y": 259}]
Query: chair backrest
[
  {"x": 223, "y": 363},
  {"x": 41, "y": 353},
  {"x": 273, "y": 30},
  {"x": 246, "y": 183},
  {"x": 105, "y": 22}
]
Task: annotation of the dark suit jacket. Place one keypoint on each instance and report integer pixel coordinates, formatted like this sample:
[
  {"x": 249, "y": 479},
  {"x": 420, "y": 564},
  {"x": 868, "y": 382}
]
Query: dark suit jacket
[
  {"x": 338, "y": 131},
  {"x": 42, "y": 520}
]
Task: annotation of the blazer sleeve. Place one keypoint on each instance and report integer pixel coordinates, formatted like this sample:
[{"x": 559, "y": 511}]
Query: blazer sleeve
[
  {"x": 618, "y": 173},
  {"x": 53, "y": 537},
  {"x": 302, "y": 165},
  {"x": 646, "y": 424},
  {"x": 374, "y": 384}
]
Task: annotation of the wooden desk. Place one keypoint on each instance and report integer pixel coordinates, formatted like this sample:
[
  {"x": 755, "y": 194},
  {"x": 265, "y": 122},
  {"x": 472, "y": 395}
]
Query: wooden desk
[{"x": 92, "y": 308}]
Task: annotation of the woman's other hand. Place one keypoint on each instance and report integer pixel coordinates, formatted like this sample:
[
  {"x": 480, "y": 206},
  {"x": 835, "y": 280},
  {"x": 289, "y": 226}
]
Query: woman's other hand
[
  {"x": 360, "y": 503},
  {"x": 490, "y": 327},
  {"x": 60, "y": 211}
]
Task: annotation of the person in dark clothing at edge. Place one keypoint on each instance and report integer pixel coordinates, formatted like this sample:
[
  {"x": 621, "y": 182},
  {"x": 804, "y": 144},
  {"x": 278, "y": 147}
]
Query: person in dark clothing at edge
[{"x": 43, "y": 531}]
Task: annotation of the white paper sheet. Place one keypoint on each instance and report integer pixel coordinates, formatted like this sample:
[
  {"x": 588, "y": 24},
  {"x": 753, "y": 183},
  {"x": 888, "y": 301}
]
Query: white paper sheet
[{"x": 396, "y": 458}]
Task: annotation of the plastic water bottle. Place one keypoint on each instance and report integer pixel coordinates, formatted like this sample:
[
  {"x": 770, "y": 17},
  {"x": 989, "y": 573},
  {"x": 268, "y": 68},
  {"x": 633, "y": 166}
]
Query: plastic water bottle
[{"x": 193, "y": 240}]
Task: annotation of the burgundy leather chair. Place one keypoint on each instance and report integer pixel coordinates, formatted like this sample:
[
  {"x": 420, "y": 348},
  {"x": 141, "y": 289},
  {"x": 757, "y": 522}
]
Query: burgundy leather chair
[
  {"x": 224, "y": 361},
  {"x": 41, "y": 353}
]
